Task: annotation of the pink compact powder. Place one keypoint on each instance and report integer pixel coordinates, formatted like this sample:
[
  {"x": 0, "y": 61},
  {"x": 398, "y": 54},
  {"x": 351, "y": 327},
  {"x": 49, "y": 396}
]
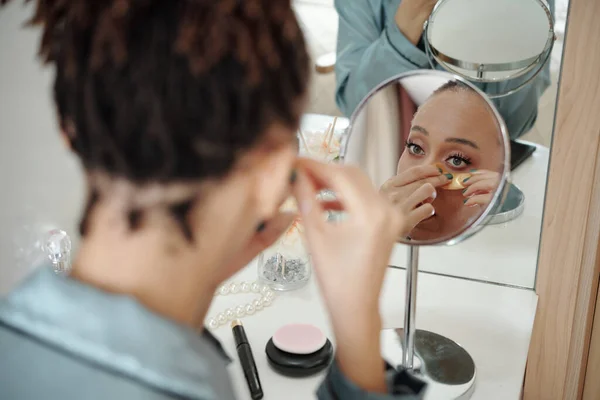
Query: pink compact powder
[{"x": 299, "y": 339}]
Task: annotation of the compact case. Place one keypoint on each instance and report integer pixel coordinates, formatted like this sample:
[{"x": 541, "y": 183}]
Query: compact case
[{"x": 299, "y": 350}]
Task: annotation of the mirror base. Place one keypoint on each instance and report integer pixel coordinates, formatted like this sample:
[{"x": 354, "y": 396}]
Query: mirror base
[
  {"x": 512, "y": 206},
  {"x": 446, "y": 367}
]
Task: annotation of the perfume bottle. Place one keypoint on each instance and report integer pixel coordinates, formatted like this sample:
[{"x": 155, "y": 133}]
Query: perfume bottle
[
  {"x": 57, "y": 248},
  {"x": 286, "y": 264}
]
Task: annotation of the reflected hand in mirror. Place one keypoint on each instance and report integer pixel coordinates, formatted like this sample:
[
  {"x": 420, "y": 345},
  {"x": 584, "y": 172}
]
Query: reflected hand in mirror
[
  {"x": 413, "y": 192},
  {"x": 450, "y": 154}
]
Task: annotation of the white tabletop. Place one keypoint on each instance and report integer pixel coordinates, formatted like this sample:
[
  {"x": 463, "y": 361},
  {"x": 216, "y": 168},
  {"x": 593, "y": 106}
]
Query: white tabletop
[
  {"x": 493, "y": 323},
  {"x": 506, "y": 253}
]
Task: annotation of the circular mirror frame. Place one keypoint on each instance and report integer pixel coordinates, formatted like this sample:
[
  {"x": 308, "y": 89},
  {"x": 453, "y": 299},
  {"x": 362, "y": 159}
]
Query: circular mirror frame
[
  {"x": 503, "y": 186},
  {"x": 524, "y": 66}
]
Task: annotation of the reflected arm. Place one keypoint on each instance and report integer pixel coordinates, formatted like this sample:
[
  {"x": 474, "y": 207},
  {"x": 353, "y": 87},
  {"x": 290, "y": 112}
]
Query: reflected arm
[{"x": 370, "y": 49}]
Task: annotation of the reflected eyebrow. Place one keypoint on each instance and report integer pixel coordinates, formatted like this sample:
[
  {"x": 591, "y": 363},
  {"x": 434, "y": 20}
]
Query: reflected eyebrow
[
  {"x": 462, "y": 141},
  {"x": 418, "y": 128}
]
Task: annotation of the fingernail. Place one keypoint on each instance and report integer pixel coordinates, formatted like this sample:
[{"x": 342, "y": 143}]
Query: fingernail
[
  {"x": 465, "y": 201},
  {"x": 473, "y": 170},
  {"x": 293, "y": 176},
  {"x": 441, "y": 170},
  {"x": 464, "y": 190},
  {"x": 261, "y": 227},
  {"x": 449, "y": 176},
  {"x": 466, "y": 179}
]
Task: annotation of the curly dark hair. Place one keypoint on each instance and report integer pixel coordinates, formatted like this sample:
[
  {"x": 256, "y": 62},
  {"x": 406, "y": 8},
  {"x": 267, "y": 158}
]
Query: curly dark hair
[{"x": 157, "y": 91}]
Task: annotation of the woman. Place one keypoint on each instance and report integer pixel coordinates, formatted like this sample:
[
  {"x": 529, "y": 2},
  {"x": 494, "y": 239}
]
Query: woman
[
  {"x": 379, "y": 39},
  {"x": 454, "y": 132},
  {"x": 183, "y": 114}
]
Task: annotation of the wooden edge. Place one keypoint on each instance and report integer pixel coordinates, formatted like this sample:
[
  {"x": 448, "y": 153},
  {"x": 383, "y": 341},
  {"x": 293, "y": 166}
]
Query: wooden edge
[
  {"x": 567, "y": 277},
  {"x": 587, "y": 296},
  {"x": 591, "y": 385}
]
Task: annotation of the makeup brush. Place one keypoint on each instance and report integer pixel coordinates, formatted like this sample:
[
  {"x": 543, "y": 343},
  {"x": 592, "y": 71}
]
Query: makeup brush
[
  {"x": 331, "y": 134},
  {"x": 326, "y": 134},
  {"x": 303, "y": 140}
]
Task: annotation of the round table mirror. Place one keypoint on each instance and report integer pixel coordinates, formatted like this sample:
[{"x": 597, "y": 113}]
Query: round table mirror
[
  {"x": 491, "y": 40},
  {"x": 444, "y": 165}
]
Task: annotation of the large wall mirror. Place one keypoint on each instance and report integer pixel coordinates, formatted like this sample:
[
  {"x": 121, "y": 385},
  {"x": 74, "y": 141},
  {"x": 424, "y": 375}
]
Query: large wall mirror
[{"x": 517, "y": 65}]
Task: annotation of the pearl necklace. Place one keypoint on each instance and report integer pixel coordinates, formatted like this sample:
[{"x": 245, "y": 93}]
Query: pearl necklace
[{"x": 265, "y": 299}]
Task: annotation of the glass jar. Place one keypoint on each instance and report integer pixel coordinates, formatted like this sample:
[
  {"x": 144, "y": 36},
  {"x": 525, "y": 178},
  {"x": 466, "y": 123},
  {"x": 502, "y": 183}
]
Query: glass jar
[
  {"x": 57, "y": 247},
  {"x": 286, "y": 264}
]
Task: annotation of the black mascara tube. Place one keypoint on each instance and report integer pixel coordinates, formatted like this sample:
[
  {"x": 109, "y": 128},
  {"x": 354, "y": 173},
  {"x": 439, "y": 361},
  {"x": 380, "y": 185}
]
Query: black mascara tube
[{"x": 247, "y": 360}]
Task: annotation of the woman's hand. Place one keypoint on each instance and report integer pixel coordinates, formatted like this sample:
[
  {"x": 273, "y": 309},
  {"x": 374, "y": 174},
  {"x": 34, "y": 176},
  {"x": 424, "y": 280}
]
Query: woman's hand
[
  {"x": 480, "y": 188},
  {"x": 411, "y": 16},
  {"x": 412, "y": 193},
  {"x": 350, "y": 259}
]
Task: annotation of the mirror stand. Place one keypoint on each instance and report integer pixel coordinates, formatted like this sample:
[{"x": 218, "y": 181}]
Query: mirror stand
[
  {"x": 512, "y": 206},
  {"x": 444, "y": 364}
]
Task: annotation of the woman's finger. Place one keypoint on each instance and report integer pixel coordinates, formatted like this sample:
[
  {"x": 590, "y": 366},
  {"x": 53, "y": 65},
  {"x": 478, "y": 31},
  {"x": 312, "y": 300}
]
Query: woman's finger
[
  {"x": 414, "y": 174},
  {"x": 399, "y": 195},
  {"x": 488, "y": 185},
  {"x": 419, "y": 214},
  {"x": 423, "y": 193},
  {"x": 475, "y": 172},
  {"x": 438, "y": 180},
  {"x": 482, "y": 175},
  {"x": 352, "y": 188},
  {"x": 309, "y": 206},
  {"x": 478, "y": 200}
]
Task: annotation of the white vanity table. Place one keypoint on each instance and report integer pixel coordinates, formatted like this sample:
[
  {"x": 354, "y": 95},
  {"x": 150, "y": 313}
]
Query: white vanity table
[{"x": 493, "y": 322}]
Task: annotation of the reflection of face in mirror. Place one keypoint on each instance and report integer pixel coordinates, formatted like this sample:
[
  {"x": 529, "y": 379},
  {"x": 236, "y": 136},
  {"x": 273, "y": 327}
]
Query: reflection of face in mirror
[{"x": 451, "y": 166}]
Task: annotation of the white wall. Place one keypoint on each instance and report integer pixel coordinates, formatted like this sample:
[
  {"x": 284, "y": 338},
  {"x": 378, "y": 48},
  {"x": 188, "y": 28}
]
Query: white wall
[
  {"x": 40, "y": 182},
  {"x": 420, "y": 87},
  {"x": 374, "y": 142}
]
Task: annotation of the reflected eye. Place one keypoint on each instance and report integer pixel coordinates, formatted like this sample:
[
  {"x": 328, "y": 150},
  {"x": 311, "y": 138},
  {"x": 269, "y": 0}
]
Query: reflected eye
[
  {"x": 415, "y": 149},
  {"x": 458, "y": 161}
]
